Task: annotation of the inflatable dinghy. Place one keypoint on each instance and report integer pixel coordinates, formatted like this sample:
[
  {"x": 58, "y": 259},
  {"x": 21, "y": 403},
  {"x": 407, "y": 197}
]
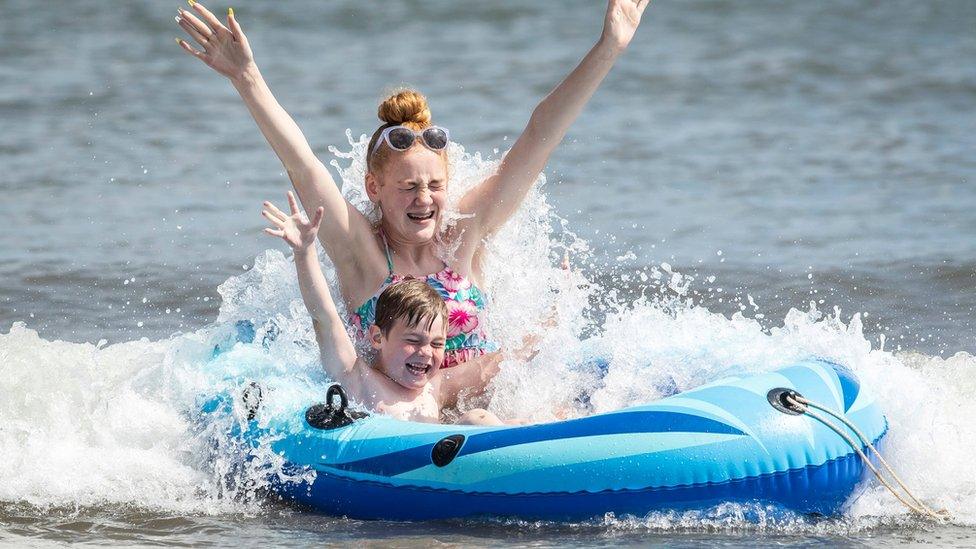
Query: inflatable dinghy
[{"x": 734, "y": 440}]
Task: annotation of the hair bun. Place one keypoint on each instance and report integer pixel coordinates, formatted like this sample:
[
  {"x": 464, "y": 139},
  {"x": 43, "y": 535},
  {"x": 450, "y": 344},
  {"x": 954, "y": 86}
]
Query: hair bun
[{"x": 405, "y": 107}]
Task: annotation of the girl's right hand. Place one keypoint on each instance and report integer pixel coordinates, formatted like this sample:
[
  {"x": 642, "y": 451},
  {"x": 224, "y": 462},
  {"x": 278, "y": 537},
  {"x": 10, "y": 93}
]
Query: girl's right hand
[
  {"x": 295, "y": 230},
  {"x": 225, "y": 48}
]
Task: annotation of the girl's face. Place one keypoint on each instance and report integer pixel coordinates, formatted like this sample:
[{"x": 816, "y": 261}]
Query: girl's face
[{"x": 411, "y": 190}]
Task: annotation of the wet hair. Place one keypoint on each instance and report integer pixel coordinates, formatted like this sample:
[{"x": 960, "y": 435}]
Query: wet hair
[
  {"x": 414, "y": 301},
  {"x": 404, "y": 107}
]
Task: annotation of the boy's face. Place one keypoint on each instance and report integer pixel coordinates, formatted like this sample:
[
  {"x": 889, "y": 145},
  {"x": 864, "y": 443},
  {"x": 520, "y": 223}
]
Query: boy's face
[{"x": 410, "y": 355}]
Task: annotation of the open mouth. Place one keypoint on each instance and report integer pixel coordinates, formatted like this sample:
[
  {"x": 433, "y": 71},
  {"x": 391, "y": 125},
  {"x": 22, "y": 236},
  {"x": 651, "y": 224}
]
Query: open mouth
[
  {"x": 418, "y": 368},
  {"x": 421, "y": 217}
]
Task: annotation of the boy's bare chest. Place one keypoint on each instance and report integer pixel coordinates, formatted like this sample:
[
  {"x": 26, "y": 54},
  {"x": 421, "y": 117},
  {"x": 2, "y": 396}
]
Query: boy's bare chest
[{"x": 423, "y": 406}]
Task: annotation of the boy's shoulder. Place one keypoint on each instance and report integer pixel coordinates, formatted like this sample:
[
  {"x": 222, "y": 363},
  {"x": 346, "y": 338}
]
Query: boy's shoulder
[{"x": 360, "y": 380}]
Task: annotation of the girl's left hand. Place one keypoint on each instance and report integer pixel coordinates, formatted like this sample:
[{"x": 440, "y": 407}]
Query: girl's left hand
[
  {"x": 622, "y": 19},
  {"x": 294, "y": 229}
]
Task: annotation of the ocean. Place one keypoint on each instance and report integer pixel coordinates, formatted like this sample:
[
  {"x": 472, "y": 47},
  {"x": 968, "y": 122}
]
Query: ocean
[{"x": 753, "y": 183}]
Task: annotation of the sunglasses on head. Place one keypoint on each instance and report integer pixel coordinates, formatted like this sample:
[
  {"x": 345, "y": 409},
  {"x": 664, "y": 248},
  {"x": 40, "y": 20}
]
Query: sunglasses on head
[{"x": 401, "y": 138}]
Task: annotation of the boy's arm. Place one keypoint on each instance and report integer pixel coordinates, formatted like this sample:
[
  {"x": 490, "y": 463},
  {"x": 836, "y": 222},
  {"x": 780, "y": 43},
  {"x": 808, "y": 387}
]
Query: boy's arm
[{"x": 338, "y": 352}]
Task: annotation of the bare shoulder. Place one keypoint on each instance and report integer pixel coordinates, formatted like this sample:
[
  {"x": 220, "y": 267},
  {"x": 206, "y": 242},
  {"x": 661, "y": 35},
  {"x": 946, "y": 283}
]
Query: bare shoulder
[{"x": 361, "y": 382}]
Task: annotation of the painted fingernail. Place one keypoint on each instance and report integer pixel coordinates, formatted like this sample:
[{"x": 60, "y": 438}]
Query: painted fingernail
[
  {"x": 191, "y": 2},
  {"x": 178, "y": 41},
  {"x": 177, "y": 19},
  {"x": 230, "y": 12}
]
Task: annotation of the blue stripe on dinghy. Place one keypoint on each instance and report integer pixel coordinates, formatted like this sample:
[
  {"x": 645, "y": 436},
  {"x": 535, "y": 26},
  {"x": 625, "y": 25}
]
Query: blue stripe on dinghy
[
  {"x": 608, "y": 424},
  {"x": 396, "y": 463}
]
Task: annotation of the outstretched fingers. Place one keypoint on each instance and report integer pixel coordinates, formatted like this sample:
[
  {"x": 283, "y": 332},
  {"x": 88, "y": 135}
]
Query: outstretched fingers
[
  {"x": 189, "y": 49},
  {"x": 642, "y": 5},
  {"x": 235, "y": 27},
  {"x": 292, "y": 203},
  {"x": 192, "y": 31},
  {"x": 215, "y": 25},
  {"x": 273, "y": 210},
  {"x": 274, "y": 232},
  {"x": 317, "y": 218},
  {"x": 277, "y": 222},
  {"x": 192, "y": 22}
]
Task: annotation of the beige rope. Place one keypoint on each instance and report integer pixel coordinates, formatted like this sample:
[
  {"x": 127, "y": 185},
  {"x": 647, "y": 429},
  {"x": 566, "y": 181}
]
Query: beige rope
[{"x": 804, "y": 405}]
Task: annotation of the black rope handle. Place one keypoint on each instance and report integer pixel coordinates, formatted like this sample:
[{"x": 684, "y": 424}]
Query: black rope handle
[
  {"x": 332, "y": 414},
  {"x": 336, "y": 390}
]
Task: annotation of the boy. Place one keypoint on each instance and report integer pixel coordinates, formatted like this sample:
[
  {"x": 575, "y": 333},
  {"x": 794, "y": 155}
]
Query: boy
[{"x": 408, "y": 338}]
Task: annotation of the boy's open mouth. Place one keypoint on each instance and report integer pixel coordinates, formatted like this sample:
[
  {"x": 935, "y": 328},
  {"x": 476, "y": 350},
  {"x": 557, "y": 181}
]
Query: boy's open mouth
[
  {"x": 418, "y": 368},
  {"x": 421, "y": 216}
]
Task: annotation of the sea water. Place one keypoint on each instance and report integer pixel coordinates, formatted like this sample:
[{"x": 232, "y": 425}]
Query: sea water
[{"x": 754, "y": 184}]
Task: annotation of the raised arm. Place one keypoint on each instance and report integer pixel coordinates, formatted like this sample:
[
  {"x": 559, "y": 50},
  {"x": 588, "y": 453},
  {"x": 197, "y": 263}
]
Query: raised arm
[
  {"x": 338, "y": 352},
  {"x": 497, "y": 198},
  {"x": 225, "y": 49}
]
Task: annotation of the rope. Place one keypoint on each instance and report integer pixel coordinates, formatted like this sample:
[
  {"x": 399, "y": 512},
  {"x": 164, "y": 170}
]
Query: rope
[{"x": 803, "y": 405}]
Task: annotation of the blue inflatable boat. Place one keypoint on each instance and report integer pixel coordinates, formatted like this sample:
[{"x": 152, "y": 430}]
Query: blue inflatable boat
[{"x": 734, "y": 440}]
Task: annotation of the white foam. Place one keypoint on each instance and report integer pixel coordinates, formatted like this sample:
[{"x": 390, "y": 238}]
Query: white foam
[{"x": 81, "y": 425}]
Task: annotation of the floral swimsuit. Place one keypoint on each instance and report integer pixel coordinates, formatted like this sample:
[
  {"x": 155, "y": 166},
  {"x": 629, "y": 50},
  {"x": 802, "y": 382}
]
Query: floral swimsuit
[{"x": 465, "y": 302}]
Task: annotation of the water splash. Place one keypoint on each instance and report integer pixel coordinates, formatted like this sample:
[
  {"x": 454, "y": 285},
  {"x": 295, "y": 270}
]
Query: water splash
[{"x": 88, "y": 425}]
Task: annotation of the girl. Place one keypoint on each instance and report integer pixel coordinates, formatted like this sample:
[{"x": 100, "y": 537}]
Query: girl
[{"x": 407, "y": 179}]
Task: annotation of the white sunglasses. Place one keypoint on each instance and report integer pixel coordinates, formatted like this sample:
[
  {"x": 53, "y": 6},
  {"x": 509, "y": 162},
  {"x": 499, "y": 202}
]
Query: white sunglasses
[{"x": 401, "y": 138}]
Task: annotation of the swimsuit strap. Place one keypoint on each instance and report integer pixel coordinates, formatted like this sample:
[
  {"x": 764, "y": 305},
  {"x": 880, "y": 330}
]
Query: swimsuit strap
[{"x": 389, "y": 256}]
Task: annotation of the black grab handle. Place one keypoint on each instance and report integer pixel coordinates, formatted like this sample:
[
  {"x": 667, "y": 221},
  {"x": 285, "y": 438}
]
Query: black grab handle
[
  {"x": 330, "y": 416},
  {"x": 336, "y": 390}
]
